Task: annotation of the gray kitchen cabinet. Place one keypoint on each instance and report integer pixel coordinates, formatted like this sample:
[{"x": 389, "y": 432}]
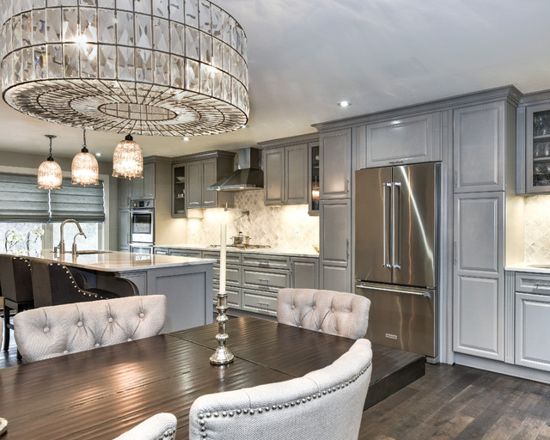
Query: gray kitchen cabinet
[
  {"x": 144, "y": 188},
  {"x": 194, "y": 184},
  {"x": 139, "y": 279},
  {"x": 209, "y": 177},
  {"x": 296, "y": 175},
  {"x": 335, "y": 240},
  {"x": 413, "y": 139},
  {"x": 274, "y": 176},
  {"x": 186, "y": 253},
  {"x": 532, "y": 322},
  {"x": 479, "y": 275},
  {"x": 480, "y": 147},
  {"x": 305, "y": 273},
  {"x": 124, "y": 195},
  {"x": 123, "y": 229},
  {"x": 335, "y": 159}
]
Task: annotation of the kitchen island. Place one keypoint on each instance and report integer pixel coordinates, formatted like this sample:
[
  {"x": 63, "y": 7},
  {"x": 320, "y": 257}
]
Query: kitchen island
[{"x": 186, "y": 281}]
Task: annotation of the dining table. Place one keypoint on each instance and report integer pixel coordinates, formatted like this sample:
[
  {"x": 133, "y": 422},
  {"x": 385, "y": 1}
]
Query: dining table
[{"x": 101, "y": 393}]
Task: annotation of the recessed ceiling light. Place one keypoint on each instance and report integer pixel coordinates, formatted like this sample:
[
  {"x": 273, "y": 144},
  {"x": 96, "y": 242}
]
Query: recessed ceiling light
[
  {"x": 98, "y": 154},
  {"x": 186, "y": 139},
  {"x": 344, "y": 104},
  {"x": 243, "y": 126}
]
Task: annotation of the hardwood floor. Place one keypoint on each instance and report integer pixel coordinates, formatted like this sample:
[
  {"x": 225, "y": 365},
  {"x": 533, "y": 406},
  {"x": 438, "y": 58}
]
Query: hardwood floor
[{"x": 455, "y": 402}]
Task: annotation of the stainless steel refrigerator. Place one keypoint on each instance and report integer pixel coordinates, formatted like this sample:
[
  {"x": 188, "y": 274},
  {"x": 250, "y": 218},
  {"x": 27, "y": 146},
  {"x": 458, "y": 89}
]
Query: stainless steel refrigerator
[{"x": 396, "y": 254}]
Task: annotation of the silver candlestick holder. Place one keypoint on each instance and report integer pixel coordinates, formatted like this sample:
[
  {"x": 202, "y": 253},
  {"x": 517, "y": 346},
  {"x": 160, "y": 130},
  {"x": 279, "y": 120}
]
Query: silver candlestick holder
[{"x": 222, "y": 355}]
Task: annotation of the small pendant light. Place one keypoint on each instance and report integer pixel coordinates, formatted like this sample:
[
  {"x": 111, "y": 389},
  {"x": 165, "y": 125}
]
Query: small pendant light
[
  {"x": 84, "y": 168},
  {"x": 50, "y": 175},
  {"x": 128, "y": 159}
]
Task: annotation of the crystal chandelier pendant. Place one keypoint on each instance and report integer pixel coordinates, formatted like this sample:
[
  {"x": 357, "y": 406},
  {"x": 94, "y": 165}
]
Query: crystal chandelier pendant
[
  {"x": 150, "y": 67},
  {"x": 50, "y": 175},
  {"x": 84, "y": 168},
  {"x": 128, "y": 159}
]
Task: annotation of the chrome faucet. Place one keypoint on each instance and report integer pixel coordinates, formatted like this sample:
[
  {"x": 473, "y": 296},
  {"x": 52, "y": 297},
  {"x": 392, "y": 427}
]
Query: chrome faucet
[
  {"x": 61, "y": 230},
  {"x": 74, "y": 248}
]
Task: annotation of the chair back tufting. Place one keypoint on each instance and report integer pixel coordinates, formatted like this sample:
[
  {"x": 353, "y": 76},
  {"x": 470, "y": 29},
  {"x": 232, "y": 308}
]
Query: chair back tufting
[
  {"x": 158, "y": 427},
  {"x": 56, "y": 330},
  {"x": 326, "y": 311},
  {"x": 325, "y": 404}
]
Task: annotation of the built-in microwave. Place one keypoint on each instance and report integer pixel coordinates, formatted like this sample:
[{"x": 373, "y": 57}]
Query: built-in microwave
[{"x": 142, "y": 221}]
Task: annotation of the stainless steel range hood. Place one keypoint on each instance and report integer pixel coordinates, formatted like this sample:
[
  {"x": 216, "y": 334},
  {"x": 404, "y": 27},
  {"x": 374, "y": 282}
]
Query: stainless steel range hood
[{"x": 248, "y": 174}]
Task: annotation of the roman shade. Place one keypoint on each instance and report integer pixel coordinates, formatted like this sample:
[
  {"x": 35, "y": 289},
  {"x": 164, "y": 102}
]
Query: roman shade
[{"x": 22, "y": 200}]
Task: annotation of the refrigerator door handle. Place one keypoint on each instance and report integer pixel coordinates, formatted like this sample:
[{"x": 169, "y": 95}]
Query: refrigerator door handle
[
  {"x": 385, "y": 187},
  {"x": 396, "y": 244},
  {"x": 426, "y": 293}
]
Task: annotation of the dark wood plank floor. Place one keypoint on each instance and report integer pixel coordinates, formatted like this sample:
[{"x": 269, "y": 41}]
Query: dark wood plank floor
[{"x": 455, "y": 402}]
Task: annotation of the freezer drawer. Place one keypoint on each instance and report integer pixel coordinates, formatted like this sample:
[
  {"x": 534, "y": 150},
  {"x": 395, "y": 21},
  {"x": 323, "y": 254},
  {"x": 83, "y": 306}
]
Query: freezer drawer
[{"x": 401, "y": 318}]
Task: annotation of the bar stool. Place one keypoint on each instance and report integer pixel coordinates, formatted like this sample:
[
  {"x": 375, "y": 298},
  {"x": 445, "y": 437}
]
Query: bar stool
[{"x": 16, "y": 282}]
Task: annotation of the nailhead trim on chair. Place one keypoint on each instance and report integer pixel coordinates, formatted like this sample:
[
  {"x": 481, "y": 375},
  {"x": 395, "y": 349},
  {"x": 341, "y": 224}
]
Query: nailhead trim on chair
[
  {"x": 207, "y": 415},
  {"x": 82, "y": 292}
]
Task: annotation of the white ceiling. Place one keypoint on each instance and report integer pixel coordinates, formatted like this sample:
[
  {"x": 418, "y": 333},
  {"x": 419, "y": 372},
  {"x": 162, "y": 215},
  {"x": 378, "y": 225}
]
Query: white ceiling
[{"x": 307, "y": 55}]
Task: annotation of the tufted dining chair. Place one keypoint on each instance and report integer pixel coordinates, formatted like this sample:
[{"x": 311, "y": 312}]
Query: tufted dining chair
[
  {"x": 57, "y": 330},
  {"x": 325, "y": 404},
  {"x": 335, "y": 313},
  {"x": 159, "y": 427}
]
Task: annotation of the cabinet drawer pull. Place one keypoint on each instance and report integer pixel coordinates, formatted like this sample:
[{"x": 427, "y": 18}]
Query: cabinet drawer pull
[
  {"x": 266, "y": 305},
  {"x": 396, "y": 162},
  {"x": 194, "y": 203},
  {"x": 263, "y": 280},
  {"x": 264, "y": 264}
]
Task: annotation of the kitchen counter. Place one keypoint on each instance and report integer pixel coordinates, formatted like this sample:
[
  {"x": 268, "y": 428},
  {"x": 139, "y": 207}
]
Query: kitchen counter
[
  {"x": 186, "y": 282},
  {"x": 528, "y": 268},
  {"x": 120, "y": 261},
  {"x": 269, "y": 251}
]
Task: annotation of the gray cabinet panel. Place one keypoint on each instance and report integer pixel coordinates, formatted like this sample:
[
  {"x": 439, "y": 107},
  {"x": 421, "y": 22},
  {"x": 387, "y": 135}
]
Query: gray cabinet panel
[
  {"x": 256, "y": 301},
  {"x": 186, "y": 253},
  {"x": 335, "y": 231},
  {"x": 139, "y": 279},
  {"x": 305, "y": 273},
  {"x": 479, "y": 147},
  {"x": 123, "y": 193},
  {"x": 479, "y": 329},
  {"x": 479, "y": 275},
  {"x": 408, "y": 140},
  {"x": 296, "y": 175},
  {"x": 194, "y": 184},
  {"x": 149, "y": 181},
  {"x": 268, "y": 279},
  {"x": 209, "y": 198},
  {"x": 274, "y": 176},
  {"x": 478, "y": 231},
  {"x": 533, "y": 283},
  {"x": 532, "y": 330},
  {"x": 336, "y": 164},
  {"x": 123, "y": 229},
  {"x": 336, "y": 278}
]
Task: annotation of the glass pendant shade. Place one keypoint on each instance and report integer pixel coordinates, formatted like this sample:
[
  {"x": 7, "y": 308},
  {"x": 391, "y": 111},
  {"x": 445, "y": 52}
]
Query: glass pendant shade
[
  {"x": 152, "y": 67},
  {"x": 128, "y": 159},
  {"x": 84, "y": 168},
  {"x": 50, "y": 175}
]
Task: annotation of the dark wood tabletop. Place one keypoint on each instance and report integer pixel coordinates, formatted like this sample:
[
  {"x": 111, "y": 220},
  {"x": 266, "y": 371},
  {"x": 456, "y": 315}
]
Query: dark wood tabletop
[{"x": 101, "y": 393}]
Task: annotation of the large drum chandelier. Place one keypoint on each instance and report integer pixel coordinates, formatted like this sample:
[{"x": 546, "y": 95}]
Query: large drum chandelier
[{"x": 151, "y": 67}]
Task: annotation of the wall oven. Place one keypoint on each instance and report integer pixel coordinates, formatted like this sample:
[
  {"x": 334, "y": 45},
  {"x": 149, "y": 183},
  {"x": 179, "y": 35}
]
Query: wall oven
[{"x": 142, "y": 222}]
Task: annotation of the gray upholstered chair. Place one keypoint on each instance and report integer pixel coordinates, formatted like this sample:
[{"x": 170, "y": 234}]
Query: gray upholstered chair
[
  {"x": 56, "y": 330},
  {"x": 335, "y": 313},
  {"x": 325, "y": 404},
  {"x": 159, "y": 427}
]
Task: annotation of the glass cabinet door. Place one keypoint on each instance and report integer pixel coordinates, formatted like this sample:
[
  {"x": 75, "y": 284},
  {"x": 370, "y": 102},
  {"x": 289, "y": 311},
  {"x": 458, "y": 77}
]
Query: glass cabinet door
[
  {"x": 178, "y": 191},
  {"x": 314, "y": 180},
  {"x": 538, "y": 149}
]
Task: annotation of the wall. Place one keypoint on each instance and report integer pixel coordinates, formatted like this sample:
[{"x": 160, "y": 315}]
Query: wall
[
  {"x": 281, "y": 227},
  {"x": 537, "y": 229},
  {"x": 24, "y": 163}
]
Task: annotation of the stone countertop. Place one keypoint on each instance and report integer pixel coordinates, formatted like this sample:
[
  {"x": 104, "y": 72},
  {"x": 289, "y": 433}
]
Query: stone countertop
[
  {"x": 120, "y": 261},
  {"x": 529, "y": 268},
  {"x": 268, "y": 251}
]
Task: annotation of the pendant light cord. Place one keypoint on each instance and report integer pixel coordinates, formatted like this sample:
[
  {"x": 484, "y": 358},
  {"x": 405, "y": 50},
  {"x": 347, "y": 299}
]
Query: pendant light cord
[{"x": 84, "y": 146}]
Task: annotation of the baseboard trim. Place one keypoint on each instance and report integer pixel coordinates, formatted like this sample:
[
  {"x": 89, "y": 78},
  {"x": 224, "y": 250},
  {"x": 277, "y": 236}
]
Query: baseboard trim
[{"x": 502, "y": 368}]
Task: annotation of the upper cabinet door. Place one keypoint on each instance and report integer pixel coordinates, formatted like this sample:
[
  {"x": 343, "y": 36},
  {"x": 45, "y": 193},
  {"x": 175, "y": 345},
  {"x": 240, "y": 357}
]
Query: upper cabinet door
[
  {"x": 123, "y": 193},
  {"x": 296, "y": 174},
  {"x": 410, "y": 140},
  {"x": 209, "y": 198},
  {"x": 274, "y": 176},
  {"x": 149, "y": 181},
  {"x": 336, "y": 164},
  {"x": 479, "y": 147},
  {"x": 194, "y": 184}
]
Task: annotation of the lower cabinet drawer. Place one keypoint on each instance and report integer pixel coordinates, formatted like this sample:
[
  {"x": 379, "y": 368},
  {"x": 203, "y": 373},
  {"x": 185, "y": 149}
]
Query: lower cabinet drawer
[
  {"x": 255, "y": 302},
  {"x": 232, "y": 257},
  {"x": 533, "y": 283},
  {"x": 272, "y": 279},
  {"x": 266, "y": 261},
  {"x": 233, "y": 274},
  {"x": 186, "y": 253},
  {"x": 233, "y": 296}
]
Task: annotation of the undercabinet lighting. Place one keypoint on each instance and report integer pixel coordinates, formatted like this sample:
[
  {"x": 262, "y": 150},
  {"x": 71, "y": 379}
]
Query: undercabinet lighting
[
  {"x": 98, "y": 154},
  {"x": 186, "y": 139},
  {"x": 344, "y": 104}
]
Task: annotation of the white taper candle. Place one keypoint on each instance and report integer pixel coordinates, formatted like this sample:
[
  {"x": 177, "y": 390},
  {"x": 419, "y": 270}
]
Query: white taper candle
[{"x": 223, "y": 257}]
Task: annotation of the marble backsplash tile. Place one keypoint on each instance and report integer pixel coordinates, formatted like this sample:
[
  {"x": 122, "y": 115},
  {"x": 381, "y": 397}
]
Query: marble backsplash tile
[
  {"x": 537, "y": 229},
  {"x": 281, "y": 227}
]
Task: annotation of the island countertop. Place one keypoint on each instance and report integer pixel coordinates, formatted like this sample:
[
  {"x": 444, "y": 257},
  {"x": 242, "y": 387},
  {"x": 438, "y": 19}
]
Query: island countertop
[{"x": 113, "y": 261}]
